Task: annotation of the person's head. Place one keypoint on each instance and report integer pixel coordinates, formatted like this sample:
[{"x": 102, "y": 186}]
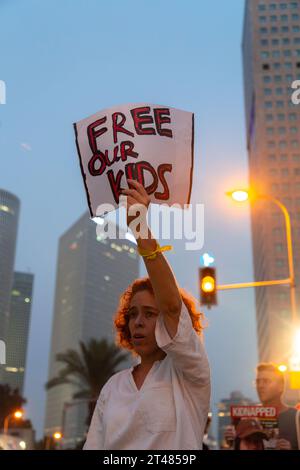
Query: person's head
[
  {"x": 136, "y": 317},
  {"x": 250, "y": 435},
  {"x": 269, "y": 383}
]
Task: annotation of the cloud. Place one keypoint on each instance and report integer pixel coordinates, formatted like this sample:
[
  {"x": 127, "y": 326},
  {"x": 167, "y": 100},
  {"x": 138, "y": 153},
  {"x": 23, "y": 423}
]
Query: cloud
[{"x": 26, "y": 146}]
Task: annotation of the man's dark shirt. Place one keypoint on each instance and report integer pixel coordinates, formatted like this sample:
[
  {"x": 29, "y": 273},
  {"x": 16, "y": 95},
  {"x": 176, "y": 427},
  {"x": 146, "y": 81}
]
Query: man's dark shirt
[{"x": 287, "y": 427}]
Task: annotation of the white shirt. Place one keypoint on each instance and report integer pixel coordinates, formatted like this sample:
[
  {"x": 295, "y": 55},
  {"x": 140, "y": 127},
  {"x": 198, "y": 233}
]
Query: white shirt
[{"x": 169, "y": 411}]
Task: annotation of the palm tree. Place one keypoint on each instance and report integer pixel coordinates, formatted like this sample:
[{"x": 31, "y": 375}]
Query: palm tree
[{"x": 89, "y": 369}]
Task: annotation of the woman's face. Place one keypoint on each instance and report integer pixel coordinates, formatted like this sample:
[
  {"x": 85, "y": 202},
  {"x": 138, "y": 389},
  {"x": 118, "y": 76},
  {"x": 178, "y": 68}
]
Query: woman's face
[{"x": 143, "y": 314}]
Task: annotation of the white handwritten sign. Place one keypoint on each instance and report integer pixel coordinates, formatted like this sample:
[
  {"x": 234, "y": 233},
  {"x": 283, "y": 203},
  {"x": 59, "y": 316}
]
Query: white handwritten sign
[{"x": 150, "y": 143}]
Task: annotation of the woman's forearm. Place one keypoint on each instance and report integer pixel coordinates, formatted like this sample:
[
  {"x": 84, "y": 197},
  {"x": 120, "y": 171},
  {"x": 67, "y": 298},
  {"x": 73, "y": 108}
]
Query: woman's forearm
[
  {"x": 163, "y": 281},
  {"x": 161, "y": 276}
]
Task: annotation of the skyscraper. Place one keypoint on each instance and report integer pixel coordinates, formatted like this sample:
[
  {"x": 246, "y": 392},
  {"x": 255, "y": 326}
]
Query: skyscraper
[
  {"x": 271, "y": 58},
  {"x": 18, "y": 330},
  {"x": 91, "y": 274},
  {"x": 9, "y": 216}
]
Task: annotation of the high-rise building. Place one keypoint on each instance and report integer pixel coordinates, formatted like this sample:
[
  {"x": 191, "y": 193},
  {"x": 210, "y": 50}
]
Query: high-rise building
[
  {"x": 91, "y": 274},
  {"x": 9, "y": 216},
  {"x": 18, "y": 330},
  {"x": 224, "y": 415},
  {"x": 271, "y": 58}
]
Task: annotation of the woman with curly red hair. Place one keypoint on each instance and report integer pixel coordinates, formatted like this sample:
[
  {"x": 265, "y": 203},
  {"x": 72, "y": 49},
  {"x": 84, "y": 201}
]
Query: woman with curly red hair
[{"x": 162, "y": 402}]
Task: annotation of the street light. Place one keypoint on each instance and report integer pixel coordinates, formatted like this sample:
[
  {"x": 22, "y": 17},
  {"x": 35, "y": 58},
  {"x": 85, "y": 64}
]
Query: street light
[
  {"x": 242, "y": 195},
  {"x": 56, "y": 436},
  {"x": 18, "y": 414},
  {"x": 22, "y": 444}
]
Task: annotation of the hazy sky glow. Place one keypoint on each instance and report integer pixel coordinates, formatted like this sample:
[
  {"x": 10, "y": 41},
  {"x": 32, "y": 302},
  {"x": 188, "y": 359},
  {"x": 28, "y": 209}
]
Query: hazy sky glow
[{"x": 64, "y": 60}]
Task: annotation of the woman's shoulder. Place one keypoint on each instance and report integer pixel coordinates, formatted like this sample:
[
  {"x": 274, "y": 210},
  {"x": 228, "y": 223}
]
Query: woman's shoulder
[
  {"x": 115, "y": 378},
  {"x": 110, "y": 385}
]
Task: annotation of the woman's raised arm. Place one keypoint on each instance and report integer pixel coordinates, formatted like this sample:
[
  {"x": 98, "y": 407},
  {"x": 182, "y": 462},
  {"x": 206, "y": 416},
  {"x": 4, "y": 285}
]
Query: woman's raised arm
[{"x": 163, "y": 281}]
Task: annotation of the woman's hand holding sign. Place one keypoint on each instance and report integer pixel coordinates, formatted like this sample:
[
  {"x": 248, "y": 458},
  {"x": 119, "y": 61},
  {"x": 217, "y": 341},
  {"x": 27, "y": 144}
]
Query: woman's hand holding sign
[
  {"x": 160, "y": 273},
  {"x": 137, "y": 201}
]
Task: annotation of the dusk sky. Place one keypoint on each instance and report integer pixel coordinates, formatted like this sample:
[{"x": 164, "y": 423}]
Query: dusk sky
[{"x": 65, "y": 60}]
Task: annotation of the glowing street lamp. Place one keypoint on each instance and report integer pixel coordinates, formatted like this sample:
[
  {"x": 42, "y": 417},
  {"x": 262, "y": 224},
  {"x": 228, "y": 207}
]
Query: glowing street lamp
[
  {"x": 18, "y": 414},
  {"x": 56, "y": 436},
  {"x": 22, "y": 444},
  {"x": 242, "y": 195},
  {"x": 239, "y": 195}
]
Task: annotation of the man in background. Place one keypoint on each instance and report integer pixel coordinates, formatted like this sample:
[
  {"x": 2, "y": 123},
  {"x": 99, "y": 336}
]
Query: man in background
[{"x": 270, "y": 387}]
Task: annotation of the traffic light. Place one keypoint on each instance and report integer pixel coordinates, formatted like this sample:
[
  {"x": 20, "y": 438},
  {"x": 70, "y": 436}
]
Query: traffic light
[{"x": 208, "y": 286}]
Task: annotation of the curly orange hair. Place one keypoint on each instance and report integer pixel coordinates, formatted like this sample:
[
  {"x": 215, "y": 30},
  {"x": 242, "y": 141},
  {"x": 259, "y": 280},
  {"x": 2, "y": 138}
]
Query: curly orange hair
[{"x": 121, "y": 319}]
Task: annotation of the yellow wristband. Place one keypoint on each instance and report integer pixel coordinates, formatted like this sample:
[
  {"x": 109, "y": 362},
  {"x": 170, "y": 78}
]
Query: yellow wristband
[{"x": 152, "y": 254}]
